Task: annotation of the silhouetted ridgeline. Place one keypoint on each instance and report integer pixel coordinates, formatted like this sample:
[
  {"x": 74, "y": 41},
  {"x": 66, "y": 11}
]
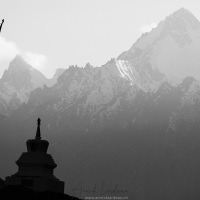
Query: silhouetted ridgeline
[{"x": 19, "y": 192}]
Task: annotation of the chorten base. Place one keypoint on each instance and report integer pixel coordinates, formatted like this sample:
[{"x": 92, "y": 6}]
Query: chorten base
[{"x": 40, "y": 184}]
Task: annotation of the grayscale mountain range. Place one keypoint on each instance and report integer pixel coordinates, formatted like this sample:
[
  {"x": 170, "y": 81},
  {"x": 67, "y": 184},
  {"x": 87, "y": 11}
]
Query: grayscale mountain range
[
  {"x": 131, "y": 124},
  {"x": 17, "y": 83}
]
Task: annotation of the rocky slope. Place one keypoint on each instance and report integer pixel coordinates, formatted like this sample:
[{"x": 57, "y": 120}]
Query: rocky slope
[
  {"x": 16, "y": 84},
  {"x": 18, "y": 81}
]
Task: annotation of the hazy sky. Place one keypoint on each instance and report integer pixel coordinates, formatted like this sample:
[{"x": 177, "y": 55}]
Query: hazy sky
[{"x": 57, "y": 33}]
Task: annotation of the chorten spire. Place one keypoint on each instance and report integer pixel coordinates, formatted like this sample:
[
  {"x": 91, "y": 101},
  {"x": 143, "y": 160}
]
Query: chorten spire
[{"x": 38, "y": 134}]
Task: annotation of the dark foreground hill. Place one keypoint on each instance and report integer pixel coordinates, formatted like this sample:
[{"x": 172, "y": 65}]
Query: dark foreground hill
[{"x": 20, "y": 193}]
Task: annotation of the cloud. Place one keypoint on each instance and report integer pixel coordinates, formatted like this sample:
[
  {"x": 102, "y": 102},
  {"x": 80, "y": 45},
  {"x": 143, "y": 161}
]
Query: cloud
[
  {"x": 38, "y": 61},
  {"x": 148, "y": 27},
  {"x": 8, "y": 50}
]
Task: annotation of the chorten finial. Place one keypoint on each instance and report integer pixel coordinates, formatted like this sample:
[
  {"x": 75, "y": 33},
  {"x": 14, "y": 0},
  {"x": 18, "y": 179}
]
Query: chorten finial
[{"x": 38, "y": 134}]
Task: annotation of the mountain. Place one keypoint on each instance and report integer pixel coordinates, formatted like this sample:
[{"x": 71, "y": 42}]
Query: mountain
[
  {"x": 52, "y": 81},
  {"x": 127, "y": 128},
  {"x": 171, "y": 48},
  {"x": 16, "y": 84}
]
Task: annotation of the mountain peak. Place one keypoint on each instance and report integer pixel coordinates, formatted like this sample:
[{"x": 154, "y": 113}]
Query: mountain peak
[
  {"x": 20, "y": 74},
  {"x": 182, "y": 11},
  {"x": 18, "y": 57},
  {"x": 19, "y": 63},
  {"x": 178, "y": 25},
  {"x": 171, "y": 47},
  {"x": 183, "y": 18}
]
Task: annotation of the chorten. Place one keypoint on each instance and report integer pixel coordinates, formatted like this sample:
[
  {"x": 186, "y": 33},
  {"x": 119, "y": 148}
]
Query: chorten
[{"x": 36, "y": 166}]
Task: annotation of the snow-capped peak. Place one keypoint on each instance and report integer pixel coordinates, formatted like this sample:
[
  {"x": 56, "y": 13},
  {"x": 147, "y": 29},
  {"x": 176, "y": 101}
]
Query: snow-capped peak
[{"x": 171, "y": 48}]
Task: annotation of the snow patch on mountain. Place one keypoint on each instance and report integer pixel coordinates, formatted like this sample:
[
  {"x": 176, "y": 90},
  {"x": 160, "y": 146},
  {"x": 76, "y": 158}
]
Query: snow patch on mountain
[
  {"x": 125, "y": 70},
  {"x": 141, "y": 79}
]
